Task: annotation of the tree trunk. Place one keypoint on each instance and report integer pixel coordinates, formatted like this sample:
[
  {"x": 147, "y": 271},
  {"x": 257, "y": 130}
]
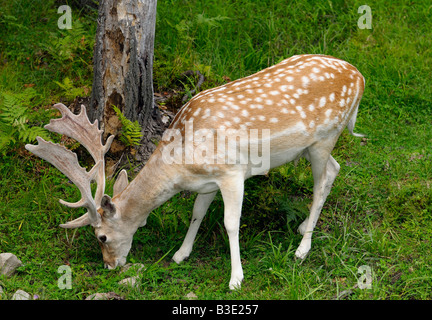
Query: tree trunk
[{"x": 123, "y": 65}]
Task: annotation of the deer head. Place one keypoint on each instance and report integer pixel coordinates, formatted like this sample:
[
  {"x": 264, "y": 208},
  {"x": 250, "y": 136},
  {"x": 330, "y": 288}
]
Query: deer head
[{"x": 102, "y": 213}]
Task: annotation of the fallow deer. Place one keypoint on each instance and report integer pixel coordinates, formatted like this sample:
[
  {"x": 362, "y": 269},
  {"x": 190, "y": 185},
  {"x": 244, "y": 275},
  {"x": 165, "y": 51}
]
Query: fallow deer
[{"x": 297, "y": 108}]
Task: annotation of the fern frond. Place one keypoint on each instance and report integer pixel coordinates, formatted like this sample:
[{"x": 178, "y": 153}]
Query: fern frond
[
  {"x": 14, "y": 119},
  {"x": 131, "y": 131}
]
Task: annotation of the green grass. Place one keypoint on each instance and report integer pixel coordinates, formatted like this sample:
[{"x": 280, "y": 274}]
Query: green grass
[{"x": 379, "y": 213}]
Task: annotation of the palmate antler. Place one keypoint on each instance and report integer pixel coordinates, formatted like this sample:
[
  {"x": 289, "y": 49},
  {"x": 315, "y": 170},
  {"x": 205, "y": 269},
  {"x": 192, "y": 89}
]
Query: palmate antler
[{"x": 87, "y": 134}]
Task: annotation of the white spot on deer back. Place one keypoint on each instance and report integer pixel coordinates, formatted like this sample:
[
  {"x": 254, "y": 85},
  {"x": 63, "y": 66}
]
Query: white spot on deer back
[{"x": 322, "y": 102}]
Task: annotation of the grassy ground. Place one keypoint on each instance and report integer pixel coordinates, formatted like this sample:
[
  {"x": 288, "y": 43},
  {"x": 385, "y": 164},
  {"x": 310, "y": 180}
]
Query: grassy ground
[{"x": 378, "y": 214}]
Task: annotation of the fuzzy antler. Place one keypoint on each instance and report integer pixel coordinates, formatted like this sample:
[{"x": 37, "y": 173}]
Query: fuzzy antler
[{"x": 79, "y": 128}]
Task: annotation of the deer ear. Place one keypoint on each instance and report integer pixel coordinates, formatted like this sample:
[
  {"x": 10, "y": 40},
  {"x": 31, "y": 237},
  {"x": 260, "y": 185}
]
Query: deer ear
[
  {"x": 121, "y": 182},
  {"x": 108, "y": 207}
]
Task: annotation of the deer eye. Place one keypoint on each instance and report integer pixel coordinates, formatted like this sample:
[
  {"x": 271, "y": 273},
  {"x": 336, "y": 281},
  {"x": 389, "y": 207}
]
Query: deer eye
[{"x": 102, "y": 239}]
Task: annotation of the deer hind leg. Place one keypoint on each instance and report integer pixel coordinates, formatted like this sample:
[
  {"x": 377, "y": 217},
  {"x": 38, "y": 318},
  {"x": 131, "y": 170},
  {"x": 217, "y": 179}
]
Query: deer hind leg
[
  {"x": 324, "y": 169},
  {"x": 232, "y": 194},
  {"x": 201, "y": 205}
]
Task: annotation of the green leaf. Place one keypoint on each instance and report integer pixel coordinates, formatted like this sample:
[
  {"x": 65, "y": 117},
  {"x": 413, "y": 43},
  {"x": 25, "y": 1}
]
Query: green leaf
[
  {"x": 14, "y": 119},
  {"x": 131, "y": 131}
]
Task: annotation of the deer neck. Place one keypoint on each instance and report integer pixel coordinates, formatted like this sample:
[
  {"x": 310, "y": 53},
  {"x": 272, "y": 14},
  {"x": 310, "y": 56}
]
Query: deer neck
[{"x": 154, "y": 185}]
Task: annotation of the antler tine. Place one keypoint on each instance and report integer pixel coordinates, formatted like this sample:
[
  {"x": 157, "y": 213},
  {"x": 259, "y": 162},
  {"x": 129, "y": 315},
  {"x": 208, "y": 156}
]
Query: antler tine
[
  {"x": 86, "y": 133},
  {"x": 81, "y": 129},
  {"x": 67, "y": 162}
]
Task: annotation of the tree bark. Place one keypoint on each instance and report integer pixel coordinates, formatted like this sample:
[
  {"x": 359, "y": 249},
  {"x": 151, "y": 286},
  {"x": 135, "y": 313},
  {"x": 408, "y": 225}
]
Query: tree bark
[{"x": 123, "y": 66}]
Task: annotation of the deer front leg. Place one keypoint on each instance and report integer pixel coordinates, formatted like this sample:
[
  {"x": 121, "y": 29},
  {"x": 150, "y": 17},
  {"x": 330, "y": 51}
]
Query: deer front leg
[
  {"x": 201, "y": 205},
  {"x": 232, "y": 194},
  {"x": 325, "y": 170}
]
